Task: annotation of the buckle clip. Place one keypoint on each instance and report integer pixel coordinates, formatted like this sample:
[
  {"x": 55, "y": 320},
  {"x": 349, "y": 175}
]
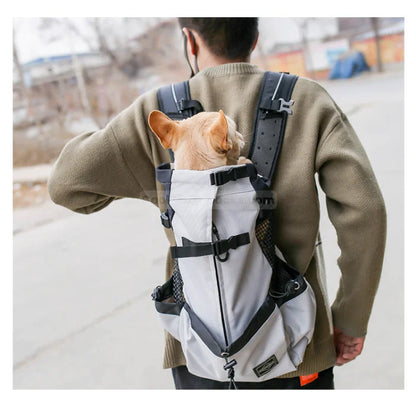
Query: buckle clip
[
  {"x": 278, "y": 106},
  {"x": 223, "y": 177},
  {"x": 217, "y": 178},
  {"x": 281, "y": 105},
  {"x": 164, "y": 218},
  {"x": 156, "y": 294},
  {"x": 220, "y": 247},
  {"x": 285, "y": 106},
  {"x": 224, "y": 245}
]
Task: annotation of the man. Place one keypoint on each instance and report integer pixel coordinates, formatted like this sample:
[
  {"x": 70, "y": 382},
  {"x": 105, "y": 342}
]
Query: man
[{"x": 119, "y": 161}]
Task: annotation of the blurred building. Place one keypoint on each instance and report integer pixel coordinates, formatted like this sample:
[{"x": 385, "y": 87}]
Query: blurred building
[
  {"x": 63, "y": 67},
  {"x": 315, "y": 58},
  {"x": 54, "y": 79}
]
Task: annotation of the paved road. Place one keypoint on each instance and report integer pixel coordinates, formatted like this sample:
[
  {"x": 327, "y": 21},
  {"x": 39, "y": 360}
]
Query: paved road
[{"x": 83, "y": 318}]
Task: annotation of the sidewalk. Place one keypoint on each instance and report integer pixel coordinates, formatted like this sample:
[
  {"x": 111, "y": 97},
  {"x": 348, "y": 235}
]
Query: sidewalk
[
  {"x": 25, "y": 218},
  {"x": 32, "y": 174}
]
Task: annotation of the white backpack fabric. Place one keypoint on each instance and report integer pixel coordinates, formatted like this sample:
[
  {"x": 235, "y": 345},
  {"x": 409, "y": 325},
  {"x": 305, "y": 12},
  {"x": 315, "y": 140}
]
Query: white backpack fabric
[{"x": 239, "y": 310}]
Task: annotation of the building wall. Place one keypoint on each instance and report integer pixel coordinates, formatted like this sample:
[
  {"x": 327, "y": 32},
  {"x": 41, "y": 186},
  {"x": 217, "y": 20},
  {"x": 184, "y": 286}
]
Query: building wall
[
  {"x": 292, "y": 62},
  {"x": 392, "y": 51},
  {"x": 391, "y": 46}
]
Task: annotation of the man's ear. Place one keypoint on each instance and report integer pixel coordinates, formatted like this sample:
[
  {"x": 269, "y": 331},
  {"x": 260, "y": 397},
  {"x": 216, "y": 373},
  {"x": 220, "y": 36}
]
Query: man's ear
[
  {"x": 218, "y": 134},
  {"x": 193, "y": 46},
  {"x": 164, "y": 128}
]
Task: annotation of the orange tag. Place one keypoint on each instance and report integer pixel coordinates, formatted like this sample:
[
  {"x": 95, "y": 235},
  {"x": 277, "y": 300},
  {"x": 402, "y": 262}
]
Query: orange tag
[{"x": 304, "y": 380}]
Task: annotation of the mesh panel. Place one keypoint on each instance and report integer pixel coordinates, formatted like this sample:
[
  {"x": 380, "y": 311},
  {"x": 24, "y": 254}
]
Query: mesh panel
[
  {"x": 280, "y": 275},
  {"x": 265, "y": 240},
  {"x": 177, "y": 284}
]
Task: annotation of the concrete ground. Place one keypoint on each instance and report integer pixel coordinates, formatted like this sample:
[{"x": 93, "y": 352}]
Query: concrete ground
[{"x": 83, "y": 317}]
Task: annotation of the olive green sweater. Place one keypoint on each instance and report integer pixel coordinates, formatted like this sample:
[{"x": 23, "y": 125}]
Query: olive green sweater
[{"x": 119, "y": 161}]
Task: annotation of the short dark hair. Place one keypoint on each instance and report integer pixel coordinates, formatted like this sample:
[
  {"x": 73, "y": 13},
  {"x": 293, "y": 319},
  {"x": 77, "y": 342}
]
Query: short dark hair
[{"x": 232, "y": 38}]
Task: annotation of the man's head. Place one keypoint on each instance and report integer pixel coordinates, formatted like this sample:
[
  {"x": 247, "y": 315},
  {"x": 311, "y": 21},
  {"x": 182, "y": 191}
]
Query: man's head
[{"x": 220, "y": 40}]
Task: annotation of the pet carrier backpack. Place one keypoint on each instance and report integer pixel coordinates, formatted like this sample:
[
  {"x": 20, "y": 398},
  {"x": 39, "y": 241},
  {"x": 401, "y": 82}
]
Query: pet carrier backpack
[{"x": 240, "y": 311}]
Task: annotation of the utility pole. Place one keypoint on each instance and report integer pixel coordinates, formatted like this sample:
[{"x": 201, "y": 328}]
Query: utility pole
[
  {"x": 302, "y": 24},
  {"x": 79, "y": 78},
  {"x": 374, "y": 24}
]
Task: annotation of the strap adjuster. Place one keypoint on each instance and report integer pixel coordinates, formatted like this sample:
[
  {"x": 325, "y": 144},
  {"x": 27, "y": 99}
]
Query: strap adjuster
[
  {"x": 281, "y": 105},
  {"x": 233, "y": 242},
  {"x": 220, "y": 247},
  {"x": 164, "y": 218},
  {"x": 157, "y": 293},
  {"x": 277, "y": 105},
  {"x": 221, "y": 177},
  {"x": 187, "y": 104},
  {"x": 217, "y": 248}
]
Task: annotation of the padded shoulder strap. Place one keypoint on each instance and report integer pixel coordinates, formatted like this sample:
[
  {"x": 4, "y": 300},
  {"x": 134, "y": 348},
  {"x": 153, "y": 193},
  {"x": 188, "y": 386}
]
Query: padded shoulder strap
[
  {"x": 273, "y": 108},
  {"x": 175, "y": 101}
]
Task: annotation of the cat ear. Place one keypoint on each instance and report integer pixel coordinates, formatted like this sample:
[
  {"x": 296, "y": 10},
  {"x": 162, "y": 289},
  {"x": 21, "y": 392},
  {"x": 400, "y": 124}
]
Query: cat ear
[
  {"x": 164, "y": 128},
  {"x": 218, "y": 134}
]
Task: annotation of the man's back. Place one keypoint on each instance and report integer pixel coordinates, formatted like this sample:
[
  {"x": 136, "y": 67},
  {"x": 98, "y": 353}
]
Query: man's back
[{"x": 119, "y": 161}]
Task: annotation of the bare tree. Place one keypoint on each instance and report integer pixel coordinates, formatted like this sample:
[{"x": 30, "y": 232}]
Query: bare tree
[
  {"x": 19, "y": 68},
  {"x": 111, "y": 42},
  {"x": 26, "y": 92}
]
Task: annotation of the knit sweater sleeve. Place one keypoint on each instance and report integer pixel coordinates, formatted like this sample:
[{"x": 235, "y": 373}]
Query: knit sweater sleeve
[
  {"x": 95, "y": 168},
  {"x": 357, "y": 211}
]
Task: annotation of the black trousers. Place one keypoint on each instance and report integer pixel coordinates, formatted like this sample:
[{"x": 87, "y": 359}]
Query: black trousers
[{"x": 185, "y": 380}]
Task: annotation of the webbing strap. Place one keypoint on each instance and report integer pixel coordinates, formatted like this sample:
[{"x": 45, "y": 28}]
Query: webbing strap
[
  {"x": 273, "y": 107},
  {"x": 243, "y": 171},
  {"x": 197, "y": 249}
]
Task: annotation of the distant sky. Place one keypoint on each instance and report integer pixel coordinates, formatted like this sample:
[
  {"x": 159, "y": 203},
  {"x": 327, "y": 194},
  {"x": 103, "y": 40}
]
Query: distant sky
[
  {"x": 285, "y": 30},
  {"x": 33, "y": 42}
]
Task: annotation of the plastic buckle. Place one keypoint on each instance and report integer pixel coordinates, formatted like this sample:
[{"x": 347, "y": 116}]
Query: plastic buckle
[
  {"x": 277, "y": 105},
  {"x": 285, "y": 106},
  {"x": 232, "y": 242},
  {"x": 164, "y": 218},
  {"x": 181, "y": 105},
  {"x": 222, "y": 177},
  {"x": 156, "y": 294},
  {"x": 281, "y": 105},
  {"x": 217, "y": 178},
  {"x": 220, "y": 247},
  {"x": 233, "y": 173}
]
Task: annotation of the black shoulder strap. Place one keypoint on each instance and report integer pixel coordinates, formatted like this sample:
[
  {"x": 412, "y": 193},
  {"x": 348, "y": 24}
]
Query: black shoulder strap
[
  {"x": 175, "y": 101},
  {"x": 273, "y": 108}
]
